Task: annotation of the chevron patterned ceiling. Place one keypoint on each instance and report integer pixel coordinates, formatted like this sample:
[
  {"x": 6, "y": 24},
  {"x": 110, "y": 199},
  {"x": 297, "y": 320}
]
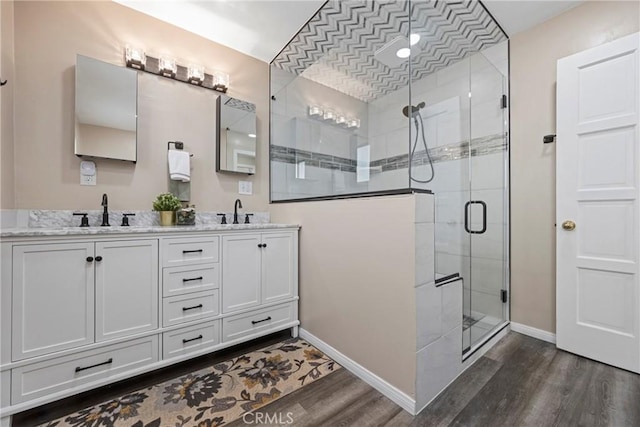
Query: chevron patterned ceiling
[{"x": 336, "y": 48}]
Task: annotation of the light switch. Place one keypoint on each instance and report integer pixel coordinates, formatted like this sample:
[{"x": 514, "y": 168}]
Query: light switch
[{"x": 245, "y": 187}]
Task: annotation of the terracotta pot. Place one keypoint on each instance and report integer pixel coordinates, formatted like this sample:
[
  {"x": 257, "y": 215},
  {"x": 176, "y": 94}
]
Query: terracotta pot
[{"x": 167, "y": 217}]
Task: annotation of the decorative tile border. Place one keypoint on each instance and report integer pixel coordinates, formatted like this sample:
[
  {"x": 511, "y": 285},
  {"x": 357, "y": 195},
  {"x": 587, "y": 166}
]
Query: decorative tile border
[
  {"x": 310, "y": 158},
  {"x": 479, "y": 147}
]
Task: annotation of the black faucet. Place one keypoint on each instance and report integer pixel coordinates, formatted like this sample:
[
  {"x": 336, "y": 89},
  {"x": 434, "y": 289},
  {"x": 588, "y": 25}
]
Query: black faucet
[
  {"x": 105, "y": 213},
  {"x": 237, "y": 204}
]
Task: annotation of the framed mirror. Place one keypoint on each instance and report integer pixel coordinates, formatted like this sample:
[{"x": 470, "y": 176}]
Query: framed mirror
[
  {"x": 105, "y": 110},
  {"x": 236, "y": 150}
]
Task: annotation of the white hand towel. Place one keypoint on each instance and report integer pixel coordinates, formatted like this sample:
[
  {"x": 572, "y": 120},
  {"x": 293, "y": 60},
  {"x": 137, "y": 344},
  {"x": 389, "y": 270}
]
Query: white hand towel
[{"x": 179, "y": 165}]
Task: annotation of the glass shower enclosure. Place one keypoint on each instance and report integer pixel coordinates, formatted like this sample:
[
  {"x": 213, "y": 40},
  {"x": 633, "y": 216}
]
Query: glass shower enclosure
[{"x": 387, "y": 97}]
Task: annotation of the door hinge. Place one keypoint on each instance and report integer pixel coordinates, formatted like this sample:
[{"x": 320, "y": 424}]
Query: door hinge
[
  {"x": 503, "y": 102},
  {"x": 503, "y": 295}
]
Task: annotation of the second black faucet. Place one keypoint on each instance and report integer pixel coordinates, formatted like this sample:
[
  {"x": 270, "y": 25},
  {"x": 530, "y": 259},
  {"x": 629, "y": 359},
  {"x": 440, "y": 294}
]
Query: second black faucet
[
  {"x": 236, "y": 205},
  {"x": 105, "y": 213}
]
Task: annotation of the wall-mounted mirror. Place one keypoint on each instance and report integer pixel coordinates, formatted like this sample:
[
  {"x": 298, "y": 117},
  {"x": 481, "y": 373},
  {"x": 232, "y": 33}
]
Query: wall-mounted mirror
[
  {"x": 106, "y": 103},
  {"x": 236, "y": 150}
]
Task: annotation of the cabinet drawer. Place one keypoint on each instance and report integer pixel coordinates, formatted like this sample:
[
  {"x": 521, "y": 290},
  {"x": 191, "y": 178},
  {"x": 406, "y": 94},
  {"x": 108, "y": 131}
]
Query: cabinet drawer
[
  {"x": 182, "y": 280},
  {"x": 256, "y": 321},
  {"x": 45, "y": 378},
  {"x": 192, "y": 338},
  {"x": 189, "y": 251},
  {"x": 184, "y": 308}
]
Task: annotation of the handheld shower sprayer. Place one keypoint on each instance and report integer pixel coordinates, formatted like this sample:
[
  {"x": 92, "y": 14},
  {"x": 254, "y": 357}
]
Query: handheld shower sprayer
[{"x": 413, "y": 112}]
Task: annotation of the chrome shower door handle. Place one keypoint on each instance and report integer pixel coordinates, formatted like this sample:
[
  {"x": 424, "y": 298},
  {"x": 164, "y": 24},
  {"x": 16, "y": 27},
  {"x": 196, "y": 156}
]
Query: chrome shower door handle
[{"x": 467, "y": 227}]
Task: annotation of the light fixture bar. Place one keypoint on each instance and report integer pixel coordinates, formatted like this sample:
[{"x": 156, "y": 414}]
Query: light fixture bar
[{"x": 218, "y": 81}]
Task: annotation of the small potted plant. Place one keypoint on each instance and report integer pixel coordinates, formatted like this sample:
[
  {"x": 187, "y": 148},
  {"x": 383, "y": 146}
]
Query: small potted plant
[{"x": 167, "y": 204}]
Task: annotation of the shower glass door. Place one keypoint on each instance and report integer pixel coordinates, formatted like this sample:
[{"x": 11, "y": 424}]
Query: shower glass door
[{"x": 485, "y": 211}]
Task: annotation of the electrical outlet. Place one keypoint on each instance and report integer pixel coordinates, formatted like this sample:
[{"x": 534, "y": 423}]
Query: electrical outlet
[
  {"x": 87, "y": 179},
  {"x": 245, "y": 187},
  {"x": 88, "y": 173}
]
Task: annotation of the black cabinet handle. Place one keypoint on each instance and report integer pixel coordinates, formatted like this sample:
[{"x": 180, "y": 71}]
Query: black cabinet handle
[
  {"x": 193, "y": 251},
  {"x": 253, "y": 322},
  {"x": 108, "y": 362},
  {"x": 264, "y": 245},
  {"x": 98, "y": 258},
  {"x": 184, "y": 341},
  {"x": 191, "y": 308},
  {"x": 191, "y": 280},
  {"x": 89, "y": 259},
  {"x": 259, "y": 245}
]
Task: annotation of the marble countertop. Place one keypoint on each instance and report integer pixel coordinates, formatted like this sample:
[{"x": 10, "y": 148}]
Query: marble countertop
[{"x": 84, "y": 231}]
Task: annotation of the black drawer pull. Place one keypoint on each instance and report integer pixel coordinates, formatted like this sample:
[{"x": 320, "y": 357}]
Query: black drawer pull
[
  {"x": 191, "y": 280},
  {"x": 192, "y": 251},
  {"x": 253, "y": 322},
  {"x": 184, "y": 341},
  {"x": 98, "y": 258},
  {"x": 108, "y": 362},
  {"x": 89, "y": 259},
  {"x": 191, "y": 308}
]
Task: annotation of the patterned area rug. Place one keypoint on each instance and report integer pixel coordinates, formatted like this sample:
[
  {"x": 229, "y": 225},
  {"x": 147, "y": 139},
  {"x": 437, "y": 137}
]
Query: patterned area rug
[{"x": 213, "y": 396}]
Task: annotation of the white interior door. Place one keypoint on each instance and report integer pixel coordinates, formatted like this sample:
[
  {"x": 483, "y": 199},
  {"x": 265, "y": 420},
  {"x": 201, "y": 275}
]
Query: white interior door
[{"x": 598, "y": 294}]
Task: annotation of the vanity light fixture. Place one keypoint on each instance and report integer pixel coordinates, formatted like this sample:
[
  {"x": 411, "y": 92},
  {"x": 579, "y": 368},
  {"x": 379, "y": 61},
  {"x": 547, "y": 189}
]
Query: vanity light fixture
[
  {"x": 135, "y": 58},
  {"x": 220, "y": 81},
  {"x": 329, "y": 115},
  {"x": 195, "y": 74},
  {"x": 315, "y": 111},
  {"x": 353, "y": 123},
  {"x": 168, "y": 67}
]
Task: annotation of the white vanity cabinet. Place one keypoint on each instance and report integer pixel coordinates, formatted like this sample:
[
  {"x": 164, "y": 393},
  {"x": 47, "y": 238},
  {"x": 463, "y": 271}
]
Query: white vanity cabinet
[
  {"x": 85, "y": 310},
  {"x": 67, "y": 295},
  {"x": 258, "y": 268},
  {"x": 52, "y": 299}
]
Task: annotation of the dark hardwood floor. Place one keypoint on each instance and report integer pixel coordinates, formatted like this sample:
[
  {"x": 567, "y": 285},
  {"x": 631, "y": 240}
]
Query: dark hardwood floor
[{"x": 520, "y": 382}]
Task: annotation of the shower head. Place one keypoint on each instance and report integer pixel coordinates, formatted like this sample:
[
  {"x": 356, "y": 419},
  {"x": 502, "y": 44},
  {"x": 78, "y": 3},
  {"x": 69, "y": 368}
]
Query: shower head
[{"x": 414, "y": 110}]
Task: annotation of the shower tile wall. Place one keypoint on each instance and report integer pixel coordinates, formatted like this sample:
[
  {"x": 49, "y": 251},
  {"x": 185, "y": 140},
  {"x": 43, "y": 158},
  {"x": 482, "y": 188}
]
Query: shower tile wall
[
  {"x": 449, "y": 123},
  {"x": 311, "y": 158}
]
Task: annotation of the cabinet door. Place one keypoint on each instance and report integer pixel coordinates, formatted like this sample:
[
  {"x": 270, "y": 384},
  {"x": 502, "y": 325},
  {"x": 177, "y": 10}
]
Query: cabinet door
[
  {"x": 53, "y": 291},
  {"x": 240, "y": 272},
  {"x": 279, "y": 271},
  {"x": 126, "y": 288}
]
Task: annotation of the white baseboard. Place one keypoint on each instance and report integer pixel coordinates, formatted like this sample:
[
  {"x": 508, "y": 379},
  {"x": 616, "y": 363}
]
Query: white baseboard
[
  {"x": 402, "y": 399},
  {"x": 533, "y": 332}
]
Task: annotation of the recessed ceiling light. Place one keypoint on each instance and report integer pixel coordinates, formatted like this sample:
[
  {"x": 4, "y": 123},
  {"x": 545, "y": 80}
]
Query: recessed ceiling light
[
  {"x": 404, "y": 52},
  {"x": 252, "y": 135},
  {"x": 414, "y": 38}
]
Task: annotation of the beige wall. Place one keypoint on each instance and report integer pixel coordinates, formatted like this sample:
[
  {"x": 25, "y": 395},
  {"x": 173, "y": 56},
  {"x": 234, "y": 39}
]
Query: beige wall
[
  {"x": 533, "y": 87},
  {"x": 48, "y": 35},
  {"x": 357, "y": 274},
  {"x": 7, "y": 188}
]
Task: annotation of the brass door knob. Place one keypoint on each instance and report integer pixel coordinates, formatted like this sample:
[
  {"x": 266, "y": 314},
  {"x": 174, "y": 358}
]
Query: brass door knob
[{"x": 569, "y": 225}]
